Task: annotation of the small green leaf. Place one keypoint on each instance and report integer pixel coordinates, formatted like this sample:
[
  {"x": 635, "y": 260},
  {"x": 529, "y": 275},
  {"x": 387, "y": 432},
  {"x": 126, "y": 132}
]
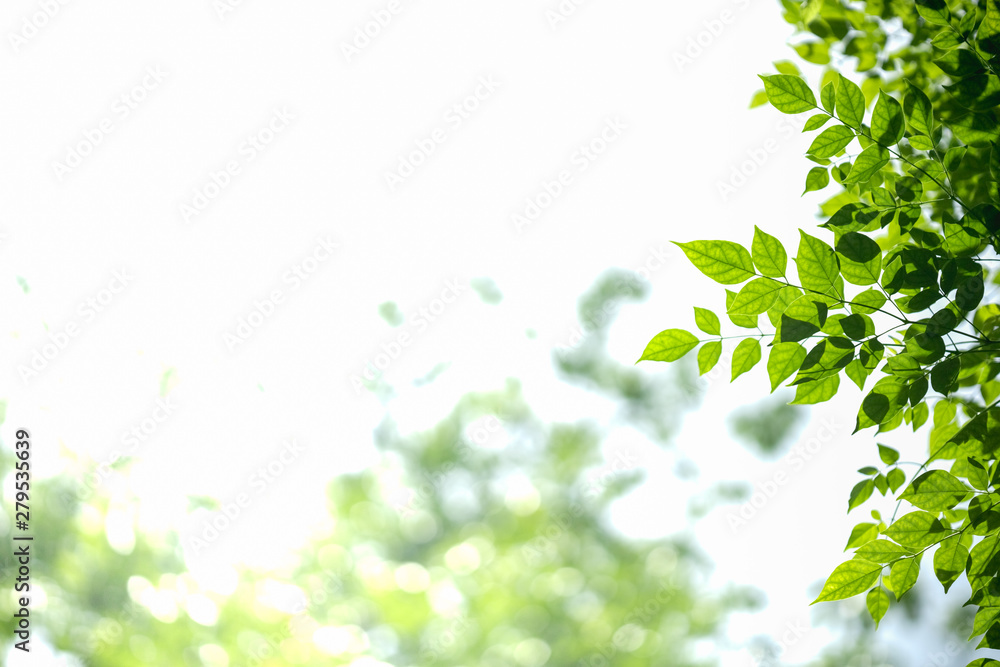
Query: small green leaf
[
  {"x": 724, "y": 262},
  {"x": 867, "y": 302},
  {"x": 861, "y": 492},
  {"x": 934, "y": 11},
  {"x": 744, "y": 321},
  {"x": 903, "y": 575},
  {"x": 830, "y": 141},
  {"x": 756, "y": 297},
  {"x": 817, "y": 391},
  {"x": 708, "y": 356},
  {"x": 707, "y": 321},
  {"x": 882, "y": 551},
  {"x": 850, "y": 103},
  {"x": 870, "y": 162},
  {"x": 746, "y": 356},
  {"x": 817, "y": 179},
  {"x": 788, "y": 93},
  {"x": 935, "y": 490},
  {"x": 828, "y": 97},
  {"x": 862, "y": 534},
  {"x": 768, "y": 254},
  {"x": 887, "y": 120},
  {"x": 888, "y": 455},
  {"x": 783, "y": 360},
  {"x": 896, "y": 479},
  {"x": 877, "y": 602},
  {"x": 816, "y": 263},
  {"x": 917, "y": 530},
  {"x": 669, "y": 345},
  {"x": 949, "y": 561},
  {"x": 816, "y": 122},
  {"x": 849, "y": 579},
  {"x": 861, "y": 259}
]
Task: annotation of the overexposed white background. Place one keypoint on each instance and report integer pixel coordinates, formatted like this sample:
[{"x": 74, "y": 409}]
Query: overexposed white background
[{"x": 331, "y": 123}]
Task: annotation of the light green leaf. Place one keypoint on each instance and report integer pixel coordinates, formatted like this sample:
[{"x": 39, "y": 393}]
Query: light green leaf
[
  {"x": 862, "y": 534},
  {"x": 887, "y": 120},
  {"x": 881, "y": 551},
  {"x": 868, "y": 302},
  {"x": 861, "y": 259},
  {"x": 724, "y": 262},
  {"x": 768, "y": 254},
  {"x": 744, "y": 321},
  {"x": 816, "y": 122},
  {"x": 816, "y": 263},
  {"x": 817, "y": 179},
  {"x": 934, "y": 11},
  {"x": 896, "y": 479},
  {"x": 708, "y": 356},
  {"x": 976, "y": 129},
  {"x": 949, "y": 561},
  {"x": 828, "y": 97},
  {"x": 903, "y": 575},
  {"x": 888, "y": 455},
  {"x": 871, "y": 160},
  {"x": 935, "y": 490},
  {"x": 782, "y": 361},
  {"x": 756, "y": 297},
  {"x": 669, "y": 345},
  {"x": 830, "y": 141},
  {"x": 707, "y": 321},
  {"x": 917, "y": 530},
  {"x": 788, "y": 94},
  {"x": 849, "y": 579},
  {"x": 877, "y": 602},
  {"x": 850, "y": 103},
  {"x": 817, "y": 391},
  {"x": 746, "y": 356}
]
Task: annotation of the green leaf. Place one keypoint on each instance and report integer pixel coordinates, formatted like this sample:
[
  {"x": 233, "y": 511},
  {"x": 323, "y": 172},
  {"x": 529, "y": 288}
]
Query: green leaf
[
  {"x": 896, "y": 479},
  {"x": 788, "y": 93},
  {"x": 830, "y": 141},
  {"x": 946, "y": 39},
  {"x": 828, "y": 97},
  {"x": 849, "y": 579},
  {"x": 867, "y": 302},
  {"x": 877, "y": 602},
  {"x": 816, "y": 122},
  {"x": 887, "y": 120},
  {"x": 669, "y": 345},
  {"x": 756, "y": 297},
  {"x": 861, "y": 259},
  {"x": 944, "y": 376},
  {"x": 759, "y": 99},
  {"x": 888, "y": 455},
  {"x": 708, "y": 356},
  {"x": 782, "y": 361},
  {"x": 989, "y": 29},
  {"x": 724, "y": 262},
  {"x": 881, "y": 551},
  {"x": 862, "y": 534},
  {"x": 744, "y": 321},
  {"x": 949, "y": 561},
  {"x": 816, "y": 263},
  {"x": 983, "y": 562},
  {"x": 919, "y": 111},
  {"x": 707, "y": 321},
  {"x": 934, "y": 11},
  {"x": 903, "y": 575},
  {"x": 917, "y": 530},
  {"x": 745, "y": 357},
  {"x": 861, "y": 492},
  {"x": 870, "y": 162},
  {"x": 976, "y": 129},
  {"x": 935, "y": 490},
  {"x": 817, "y": 179},
  {"x": 768, "y": 254},
  {"x": 850, "y": 102},
  {"x": 818, "y": 391}
]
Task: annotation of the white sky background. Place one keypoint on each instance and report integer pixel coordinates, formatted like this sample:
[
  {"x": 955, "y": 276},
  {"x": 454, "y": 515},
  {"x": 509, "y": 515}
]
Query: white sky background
[{"x": 685, "y": 130}]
